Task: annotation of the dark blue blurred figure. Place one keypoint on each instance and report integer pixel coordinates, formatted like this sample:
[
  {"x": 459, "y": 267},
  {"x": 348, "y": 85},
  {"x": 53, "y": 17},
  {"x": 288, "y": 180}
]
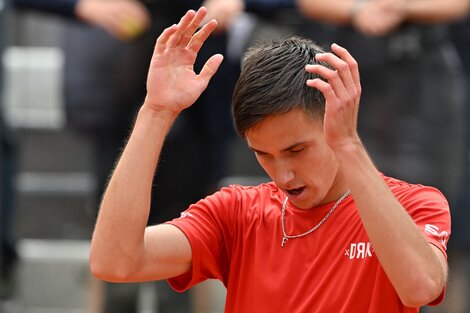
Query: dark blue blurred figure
[
  {"x": 8, "y": 254},
  {"x": 63, "y": 7}
]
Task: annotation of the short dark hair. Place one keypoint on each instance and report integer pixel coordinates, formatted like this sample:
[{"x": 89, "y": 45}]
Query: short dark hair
[{"x": 273, "y": 82}]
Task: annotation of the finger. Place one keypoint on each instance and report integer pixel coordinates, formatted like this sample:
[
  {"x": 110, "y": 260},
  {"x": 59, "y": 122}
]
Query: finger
[
  {"x": 162, "y": 40},
  {"x": 341, "y": 67},
  {"x": 201, "y": 36},
  {"x": 194, "y": 25},
  {"x": 332, "y": 77},
  {"x": 211, "y": 67},
  {"x": 325, "y": 88},
  {"x": 183, "y": 24},
  {"x": 352, "y": 63}
]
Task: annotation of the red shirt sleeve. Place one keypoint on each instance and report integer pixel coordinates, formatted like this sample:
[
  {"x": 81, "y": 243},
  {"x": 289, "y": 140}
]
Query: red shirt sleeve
[
  {"x": 430, "y": 211},
  {"x": 207, "y": 224}
]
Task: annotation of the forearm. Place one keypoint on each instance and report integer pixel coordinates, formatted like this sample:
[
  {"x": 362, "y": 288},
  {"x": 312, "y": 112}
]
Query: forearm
[
  {"x": 336, "y": 12},
  {"x": 408, "y": 259},
  {"x": 419, "y": 11},
  {"x": 436, "y": 11},
  {"x": 118, "y": 239}
]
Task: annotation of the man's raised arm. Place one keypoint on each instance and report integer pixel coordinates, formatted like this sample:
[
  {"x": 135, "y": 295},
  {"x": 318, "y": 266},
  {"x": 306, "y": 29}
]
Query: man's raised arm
[
  {"x": 416, "y": 268},
  {"x": 123, "y": 248}
]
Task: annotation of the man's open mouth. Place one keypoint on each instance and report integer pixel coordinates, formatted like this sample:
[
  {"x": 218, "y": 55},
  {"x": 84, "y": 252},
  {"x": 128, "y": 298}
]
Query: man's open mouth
[{"x": 295, "y": 191}]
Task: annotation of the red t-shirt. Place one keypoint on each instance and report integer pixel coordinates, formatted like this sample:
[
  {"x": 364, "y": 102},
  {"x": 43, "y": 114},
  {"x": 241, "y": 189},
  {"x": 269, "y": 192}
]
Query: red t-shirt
[{"x": 236, "y": 235}]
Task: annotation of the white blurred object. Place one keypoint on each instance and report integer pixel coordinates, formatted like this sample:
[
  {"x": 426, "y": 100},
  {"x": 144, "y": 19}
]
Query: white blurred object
[
  {"x": 53, "y": 276},
  {"x": 239, "y": 35},
  {"x": 33, "y": 87}
]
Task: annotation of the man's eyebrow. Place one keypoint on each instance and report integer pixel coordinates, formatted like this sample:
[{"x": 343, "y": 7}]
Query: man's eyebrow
[
  {"x": 256, "y": 150},
  {"x": 290, "y": 147},
  {"x": 300, "y": 143}
]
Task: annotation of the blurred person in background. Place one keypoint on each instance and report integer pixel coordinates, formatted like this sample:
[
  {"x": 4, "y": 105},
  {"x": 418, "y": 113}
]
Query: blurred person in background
[
  {"x": 411, "y": 118},
  {"x": 459, "y": 248},
  {"x": 8, "y": 255},
  {"x": 121, "y": 18},
  {"x": 96, "y": 12}
]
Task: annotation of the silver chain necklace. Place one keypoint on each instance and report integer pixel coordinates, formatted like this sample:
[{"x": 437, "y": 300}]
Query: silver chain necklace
[{"x": 287, "y": 237}]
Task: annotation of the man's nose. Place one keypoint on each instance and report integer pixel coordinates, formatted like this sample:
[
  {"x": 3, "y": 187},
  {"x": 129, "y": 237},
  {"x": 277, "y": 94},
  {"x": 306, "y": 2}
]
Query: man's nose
[{"x": 284, "y": 175}]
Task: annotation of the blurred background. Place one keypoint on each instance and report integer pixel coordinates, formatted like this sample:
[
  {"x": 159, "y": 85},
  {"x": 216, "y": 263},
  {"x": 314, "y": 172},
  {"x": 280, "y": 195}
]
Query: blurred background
[{"x": 73, "y": 75}]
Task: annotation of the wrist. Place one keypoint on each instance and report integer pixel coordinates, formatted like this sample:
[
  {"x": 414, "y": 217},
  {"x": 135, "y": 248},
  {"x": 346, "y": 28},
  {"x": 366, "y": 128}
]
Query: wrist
[
  {"x": 349, "y": 151},
  {"x": 354, "y": 158},
  {"x": 161, "y": 114}
]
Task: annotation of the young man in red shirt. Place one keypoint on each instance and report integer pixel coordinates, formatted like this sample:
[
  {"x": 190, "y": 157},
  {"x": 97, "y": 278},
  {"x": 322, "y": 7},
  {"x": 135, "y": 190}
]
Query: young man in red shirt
[{"x": 329, "y": 234}]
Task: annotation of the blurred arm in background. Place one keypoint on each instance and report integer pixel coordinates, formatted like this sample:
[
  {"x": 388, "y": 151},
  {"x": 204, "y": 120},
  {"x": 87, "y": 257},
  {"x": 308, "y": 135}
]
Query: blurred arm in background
[
  {"x": 380, "y": 17},
  {"x": 124, "y": 19},
  {"x": 226, "y": 11}
]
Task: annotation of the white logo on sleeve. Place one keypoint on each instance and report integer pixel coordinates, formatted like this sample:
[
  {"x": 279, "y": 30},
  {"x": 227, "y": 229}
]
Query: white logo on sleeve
[
  {"x": 186, "y": 214},
  {"x": 433, "y": 230}
]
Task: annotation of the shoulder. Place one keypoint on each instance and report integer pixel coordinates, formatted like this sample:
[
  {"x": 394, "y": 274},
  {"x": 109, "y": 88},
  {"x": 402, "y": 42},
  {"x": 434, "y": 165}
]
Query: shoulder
[
  {"x": 232, "y": 205},
  {"x": 246, "y": 195},
  {"x": 416, "y": 195},
  {"x": 401, "y": 188},
  {"x": 247, "y": 201}
]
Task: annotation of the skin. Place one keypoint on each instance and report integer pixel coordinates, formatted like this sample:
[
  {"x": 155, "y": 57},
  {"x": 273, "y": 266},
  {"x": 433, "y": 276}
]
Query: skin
[
  {"x": 292, "y": 150},
  {"x": 382, "y": 17},
  {"x": 123, "y": 249},
  {"x": 123, "y": 19},
  {"x": 224, "y": 11}
]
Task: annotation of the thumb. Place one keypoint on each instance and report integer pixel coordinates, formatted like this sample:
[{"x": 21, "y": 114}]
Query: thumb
[{"x": 211, "y": 67}]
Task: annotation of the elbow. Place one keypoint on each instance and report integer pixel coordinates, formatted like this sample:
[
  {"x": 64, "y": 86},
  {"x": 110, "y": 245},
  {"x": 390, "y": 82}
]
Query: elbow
[
  {"x": 99, "y": 270},
  {"x": 423, "y": 293},
  {"x": 109, "y": 270}
]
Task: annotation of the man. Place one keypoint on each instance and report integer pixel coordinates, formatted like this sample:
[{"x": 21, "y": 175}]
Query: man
[{"x": 329, "y": 234}]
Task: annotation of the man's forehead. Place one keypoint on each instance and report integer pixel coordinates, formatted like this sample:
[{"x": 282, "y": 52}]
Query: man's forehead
[{"x": 284, "y": 132}]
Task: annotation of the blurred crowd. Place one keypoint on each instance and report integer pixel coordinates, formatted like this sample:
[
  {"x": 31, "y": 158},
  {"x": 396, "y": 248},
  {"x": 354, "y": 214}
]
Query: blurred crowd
[{"x": 414, "y": 59}]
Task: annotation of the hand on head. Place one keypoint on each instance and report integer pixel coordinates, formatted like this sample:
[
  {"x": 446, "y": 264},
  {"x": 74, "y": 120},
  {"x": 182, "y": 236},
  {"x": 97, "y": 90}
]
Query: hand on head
[
  {"x": 172, "y": 84},
  {"x": 342, "y": 91}
]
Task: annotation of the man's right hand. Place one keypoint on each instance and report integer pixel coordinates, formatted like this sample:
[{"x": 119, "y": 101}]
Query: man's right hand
[{"x": 172, "y": 84}]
